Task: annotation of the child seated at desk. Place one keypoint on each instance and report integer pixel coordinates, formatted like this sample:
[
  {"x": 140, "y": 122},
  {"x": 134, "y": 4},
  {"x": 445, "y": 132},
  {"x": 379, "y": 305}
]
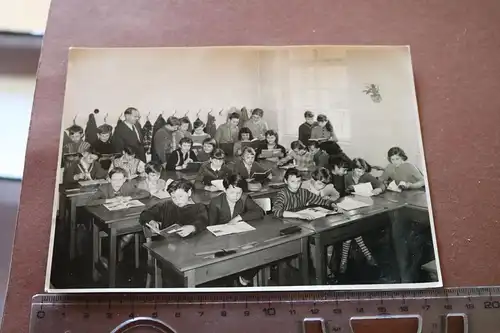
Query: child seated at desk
[
  {"x": 209, "y": 145},
  {"x": 183, "y": 131},
  {"x": 183, "y": 155},
  {"x": 271, "y": 143},
  {"x": 303, "y": 159},
  {"x": 339, "y": 170},
  {"x": 246, "y": 165},
  {"x": 76, "y": 146},
  {"x": 212, "y": 170},
  {"x": 181, "y": 210},
  {"x": 132, "y": 165},
  {"x": 199, "y": 134},
  {"x": 104, "y": 146},
  {"x": 293, "y": 198},
  {"x": 245, "y": 135},
  {"x": 231, "y": 207},
  {"x": 87, "y": 168},
  {"x": 402, "y": 172},
  {"x": 320, "y": 157},
  {"x": 321, "y": 184},
  {"x": 153, "y": 184},
  {"x": 361, "y": 174}
]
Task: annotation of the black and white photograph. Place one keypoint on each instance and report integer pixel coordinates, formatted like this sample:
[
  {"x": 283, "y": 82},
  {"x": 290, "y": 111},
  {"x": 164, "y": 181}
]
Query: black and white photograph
[{"x": 241, "y": 169}]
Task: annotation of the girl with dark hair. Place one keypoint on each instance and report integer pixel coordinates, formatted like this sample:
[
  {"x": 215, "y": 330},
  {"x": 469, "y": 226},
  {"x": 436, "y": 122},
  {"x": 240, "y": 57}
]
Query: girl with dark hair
[
  {"x": 212, "y": 170},
  {"x": 271, "y": 143},
  {"x": 132, "y": 165},
  {"x": 324, "y": 130},
  {"x": 245, "y": 135},
  {"x": 361, "y": 174},
  {"x": 321, "y": 184},
  {"x": 402, "y": 172},
  {"x": 256, "y": 124}
]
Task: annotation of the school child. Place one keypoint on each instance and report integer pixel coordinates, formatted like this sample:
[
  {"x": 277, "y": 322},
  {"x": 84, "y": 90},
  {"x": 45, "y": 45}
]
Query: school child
[
  {"x": 164, "y": 140},
  {"x": 86, "y": 168},
  {"x": 402, "y": 172},
  {"x": 183, "y": 155},
  {"x": 152, "y": 183},
  {"x": 293, "y": 197},
  {"x": 199, "y": 134},
  {"x": 213, "y": 169},
  {"x": 183, "y": 130},
  {"x": 233, "y": 206},
  {"x": 323, "y": 130},
  {"x": 257, "y": 125},
  {"x": 340, "y": 167},
  {"x": 303, "y": 159},
  {"x": 228, "y": 132},
  {"x": 180, "y": 210},
  {"x": 104, "y": 146},
  {"x": 320, "y": 157},
  {"x": 321, "y": 184},
  {"x": 245, "y": 135},
  {"x": 306, "y": 127},
  {"x": 118, "y": 189},
  {"x": 209, "y": 145},
  {"x": 271, "y": 143},
  {"x": 361, "y": 174},
  {"x": 72, "y": 150},
  {"x": 132, "y": 165},
  {"x": 246, "y": 166}
]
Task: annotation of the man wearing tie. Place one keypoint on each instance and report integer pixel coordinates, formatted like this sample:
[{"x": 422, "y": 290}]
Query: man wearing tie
[{"x": 129, "y": 133}]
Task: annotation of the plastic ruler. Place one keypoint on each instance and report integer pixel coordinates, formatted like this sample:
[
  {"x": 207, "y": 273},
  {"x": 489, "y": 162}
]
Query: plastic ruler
[{"x": 456, "y": 310}]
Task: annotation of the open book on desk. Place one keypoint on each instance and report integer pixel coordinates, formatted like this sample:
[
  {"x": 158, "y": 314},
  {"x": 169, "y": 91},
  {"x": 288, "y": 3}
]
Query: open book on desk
[
  {"x": 123, "y": 205},
  {"x": 229, "y": 229},
  {"x": 165, "y": 232},
  {"x": 318, "y": 212},
  {"x": 349, "y": 203},
  {"x": 268, "y": 153},
  {"x": 363, "y": 189},
  {"x": 393, "y": 187},
  {"x": 260, "y": 176},
  {"x": 92, "y": 182}
]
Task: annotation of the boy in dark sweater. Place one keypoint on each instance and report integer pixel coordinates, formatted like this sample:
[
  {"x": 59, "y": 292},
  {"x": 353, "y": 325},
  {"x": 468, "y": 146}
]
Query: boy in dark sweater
[
  {"x": 181, "y": 210},
  {"x": 293, "y": 197},
  {"x": 339, "y": 171},
  {"x": 306, "y": 128},
  {"x": 320, "y": 157},
  {"x": 85, "y": 169},
  {"x": 212, "y": 170},
  {"x": 183, "y": 155},
  {"x": 103, "y": 145}
]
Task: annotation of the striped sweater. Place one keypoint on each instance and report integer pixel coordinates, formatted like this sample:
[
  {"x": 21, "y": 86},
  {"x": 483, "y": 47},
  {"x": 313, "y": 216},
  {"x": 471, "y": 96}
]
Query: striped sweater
[{"x": 292, "y": 201}]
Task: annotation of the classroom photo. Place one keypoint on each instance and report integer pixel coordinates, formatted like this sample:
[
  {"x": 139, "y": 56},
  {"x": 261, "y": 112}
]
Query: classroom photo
[{"x": 241, "y": 168}]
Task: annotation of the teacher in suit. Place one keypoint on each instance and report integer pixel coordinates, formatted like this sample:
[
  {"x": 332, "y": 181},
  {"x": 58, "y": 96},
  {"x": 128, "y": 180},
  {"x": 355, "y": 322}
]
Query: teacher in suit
[{"x": 128, "y": 133}]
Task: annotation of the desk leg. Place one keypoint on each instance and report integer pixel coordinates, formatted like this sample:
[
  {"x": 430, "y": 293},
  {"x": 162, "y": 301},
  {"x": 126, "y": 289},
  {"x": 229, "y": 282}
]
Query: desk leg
[
  {"x": 320, "y": 264},
  {"x": 158, "y": 275},
  {"x": 95, "y": 249},
  {"x": 399, "y": 233},
  {"x": 304, "y": 261},
  {"x": 72, "y": 229},
  {"x": 112, "y": 257},
  {"x": 189, "y": 279}
]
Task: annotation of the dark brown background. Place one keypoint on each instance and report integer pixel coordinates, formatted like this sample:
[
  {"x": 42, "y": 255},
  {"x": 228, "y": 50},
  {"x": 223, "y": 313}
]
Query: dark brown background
[{"x": 455, "y": 48}]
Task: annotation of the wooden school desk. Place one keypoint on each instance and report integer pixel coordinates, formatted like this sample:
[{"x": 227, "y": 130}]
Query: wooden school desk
[{"x": 179, "y": 256}]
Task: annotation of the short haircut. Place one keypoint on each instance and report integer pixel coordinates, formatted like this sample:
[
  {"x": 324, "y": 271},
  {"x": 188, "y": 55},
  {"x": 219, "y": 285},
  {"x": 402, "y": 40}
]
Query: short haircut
[
  {"x": 272, "y": 132},
  {"x": 90, "y": 149},
  {"x": 322, "y": 117},
  {"x": 185, "y": 140},
  {"x": 292, "y": 172},
  {"x": 339, "y": 162},
  {"x": 105, "y": 129},
  {"x": 234, "y": 115},
  {"x": 297, "y": 145},
  {"x": 129, "y": 151},
  {"x": 129, "y": 110},
  {"x": 308, "y": 114},
  {"x": 258, "y": 112},
  {"x": 210, "y": 141},
  {"x": 118, "y": 170},
  {"x": 198, "y": 123},
  {"x": 359, "y": 163},
  {"x": 322, "y": 174},
  {"x": 185, "y": 120},
  {"x": 179, "y": 184},
  {"x": 245, "y": 130},
  {"x": 313, "y": 143},
  {"x": 173, "y": 121},
  {"x": 75, "y": 129},
  {"x": 248, "y": 150},
  {"x": 396, "y": 151},
  {"x": 235, "y": 180},
  {"x": 218, "y": 153},
  {"x": 153, "y": 167}
]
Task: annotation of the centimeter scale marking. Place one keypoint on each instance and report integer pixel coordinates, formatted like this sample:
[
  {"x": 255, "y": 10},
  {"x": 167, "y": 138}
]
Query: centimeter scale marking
[{"x": 477, "y": 310}]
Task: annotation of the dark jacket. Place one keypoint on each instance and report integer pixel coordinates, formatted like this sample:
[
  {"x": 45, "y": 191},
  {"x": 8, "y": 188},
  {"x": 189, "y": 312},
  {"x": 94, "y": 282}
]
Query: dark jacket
[
  {"x": 96, "y": 172},
  {"x": 206, "y": 174},
  {"x": 125, "y": 137},
  {"x": 167, "y": 213},
  {"x": 263, "y": 146},
  {"x": 239, "y": 168},
  {"x": 219, "y": 212},
  {"x": 91, "y": 130},
  {"x": 177, "y": 158},
  {"x": 321, "y": 159},
  {"x": 305, "y": 132}
]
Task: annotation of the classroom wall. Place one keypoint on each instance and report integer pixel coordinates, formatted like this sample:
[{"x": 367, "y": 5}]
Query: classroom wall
[{"x": 159, "y": 81}]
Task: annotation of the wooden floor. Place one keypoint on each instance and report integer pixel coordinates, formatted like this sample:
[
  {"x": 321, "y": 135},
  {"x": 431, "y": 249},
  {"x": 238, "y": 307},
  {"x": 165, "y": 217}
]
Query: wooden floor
[{"x": 9, "y": 201}]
